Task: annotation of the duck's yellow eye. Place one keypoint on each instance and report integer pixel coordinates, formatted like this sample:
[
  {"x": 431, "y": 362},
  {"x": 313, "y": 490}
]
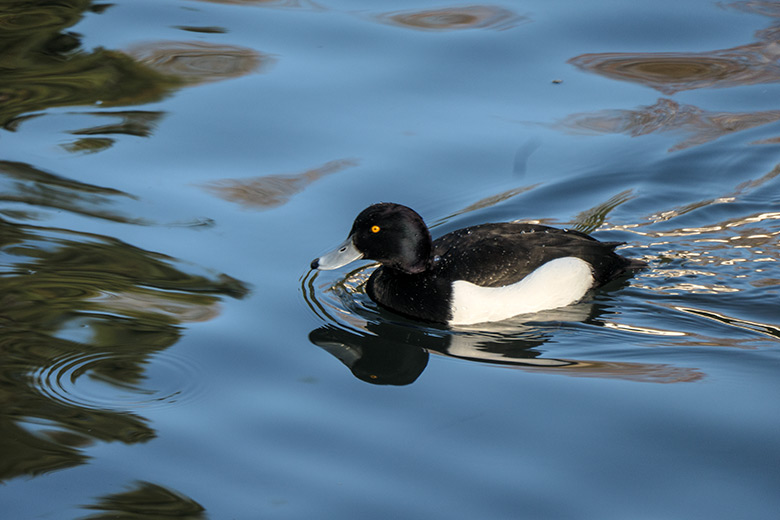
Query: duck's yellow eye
[{"x": 375, "y": 229}]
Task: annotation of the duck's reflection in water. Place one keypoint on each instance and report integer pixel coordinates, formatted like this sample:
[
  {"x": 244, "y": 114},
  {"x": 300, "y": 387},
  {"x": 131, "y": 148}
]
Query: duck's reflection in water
[
  {"x": 374, "y": 359},
  {"x": 383, "y": 349}
]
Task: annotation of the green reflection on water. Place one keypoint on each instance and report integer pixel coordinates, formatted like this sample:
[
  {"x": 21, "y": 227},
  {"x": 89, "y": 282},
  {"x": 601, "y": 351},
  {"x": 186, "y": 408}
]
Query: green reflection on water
[
  {"x": 89, "y": 145},
  {"x": 146, "y": 500},
  {"x": 21, "y": 182},
  {"x": 43, "y": 66},
  {"x": 125, "y": 303},
  {"x": 76, "y": 309}
]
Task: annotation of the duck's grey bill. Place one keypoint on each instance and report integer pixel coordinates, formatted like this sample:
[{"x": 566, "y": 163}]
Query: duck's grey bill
[{"x": 342, "y": 255}]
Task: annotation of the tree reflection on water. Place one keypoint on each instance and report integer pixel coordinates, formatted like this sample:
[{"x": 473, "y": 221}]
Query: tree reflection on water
[
  {"x": 79, "y": 307},
  {"x": 145, "y": 500},
  {"x": 26, "y": 184},
  {"x": 43, "y": 65},
  {"x": 125, "y": 303}
]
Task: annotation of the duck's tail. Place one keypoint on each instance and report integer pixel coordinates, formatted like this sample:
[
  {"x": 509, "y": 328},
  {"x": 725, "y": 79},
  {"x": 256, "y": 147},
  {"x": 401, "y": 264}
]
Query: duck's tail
[{"x": 634, "y": 264}]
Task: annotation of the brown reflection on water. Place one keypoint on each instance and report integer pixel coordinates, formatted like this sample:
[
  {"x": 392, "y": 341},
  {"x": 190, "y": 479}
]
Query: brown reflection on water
[
  {"x": 668, "y": 116},
  {"x": 199, "y": 62},
  {"x": 270, "y": 191},
  {"x": 146, "y": 500},
  {"x": 671, "y": 72},
  {"x": 76, "y": 307},
  {"x": 768, "y": 140},
  {"x": 674, "y": 72},
  {"x": 455, "y": 18}
]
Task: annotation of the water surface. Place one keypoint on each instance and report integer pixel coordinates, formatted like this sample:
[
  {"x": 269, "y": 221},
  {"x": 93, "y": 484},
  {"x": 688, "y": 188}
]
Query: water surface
[{"x": 169, "y": 169}]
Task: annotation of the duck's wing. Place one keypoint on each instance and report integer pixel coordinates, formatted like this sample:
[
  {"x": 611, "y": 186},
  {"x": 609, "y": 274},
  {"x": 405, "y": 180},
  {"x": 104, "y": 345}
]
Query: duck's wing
[{"x": 494, "y": 255}]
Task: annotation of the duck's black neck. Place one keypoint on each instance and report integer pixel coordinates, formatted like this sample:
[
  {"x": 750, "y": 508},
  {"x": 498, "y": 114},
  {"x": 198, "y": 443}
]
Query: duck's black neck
[{"x": 414, "y": 257}]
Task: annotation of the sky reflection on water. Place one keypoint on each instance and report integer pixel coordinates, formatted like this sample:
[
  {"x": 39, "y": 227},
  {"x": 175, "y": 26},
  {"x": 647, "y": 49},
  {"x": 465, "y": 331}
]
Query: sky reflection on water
[{"x": 168, "y": 170}]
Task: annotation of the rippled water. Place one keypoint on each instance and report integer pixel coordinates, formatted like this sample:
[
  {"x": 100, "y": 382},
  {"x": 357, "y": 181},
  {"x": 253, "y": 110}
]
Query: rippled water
[{"x": 168, "y": 170}]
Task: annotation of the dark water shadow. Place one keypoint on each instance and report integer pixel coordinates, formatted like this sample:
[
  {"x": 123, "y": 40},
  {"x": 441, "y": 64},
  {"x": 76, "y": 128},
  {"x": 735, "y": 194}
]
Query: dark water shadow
[
  {"x": 146, "y": 500},
  {"x": 379, "y": 347},
  {"x": 82, "y": 316}
]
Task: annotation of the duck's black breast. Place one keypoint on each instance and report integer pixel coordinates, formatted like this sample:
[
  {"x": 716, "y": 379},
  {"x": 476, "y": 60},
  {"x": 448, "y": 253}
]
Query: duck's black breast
[
  {"x": 488, "y": 255},
  {"x": 424, "y": 296}
]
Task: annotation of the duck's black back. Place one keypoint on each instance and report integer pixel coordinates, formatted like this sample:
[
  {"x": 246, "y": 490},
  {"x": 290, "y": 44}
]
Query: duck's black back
[
  {"x": 489, "y": 255},
  {"x": 494, "y": 255}
]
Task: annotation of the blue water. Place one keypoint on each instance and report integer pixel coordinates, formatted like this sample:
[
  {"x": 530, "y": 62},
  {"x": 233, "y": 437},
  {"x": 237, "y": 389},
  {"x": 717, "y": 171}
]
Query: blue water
[{"x": 164, "y": 350}]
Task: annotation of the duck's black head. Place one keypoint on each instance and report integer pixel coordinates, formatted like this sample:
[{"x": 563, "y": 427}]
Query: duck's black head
[{"x": 391, "y": 234}]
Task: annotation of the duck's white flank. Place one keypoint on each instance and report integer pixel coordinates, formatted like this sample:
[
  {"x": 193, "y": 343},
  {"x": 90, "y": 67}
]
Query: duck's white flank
[{"x": 557, "y": 283}]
